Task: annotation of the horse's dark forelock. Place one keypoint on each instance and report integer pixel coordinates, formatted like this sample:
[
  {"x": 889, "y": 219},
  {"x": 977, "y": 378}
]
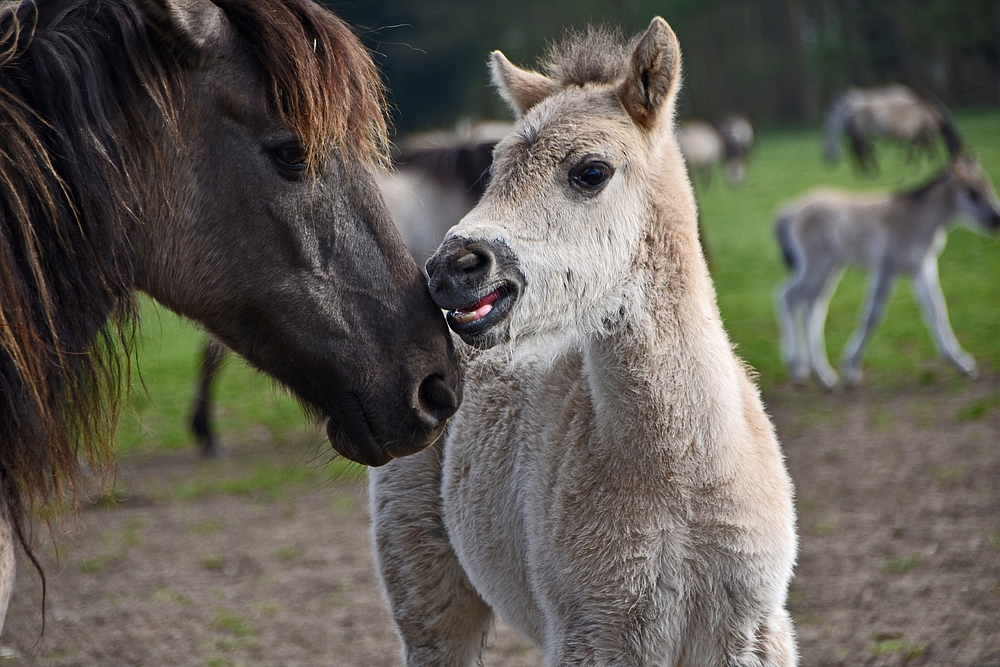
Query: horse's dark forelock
[
  {"x": 322, "y": 79},
  {"x": 595, "y": 55},
  {"x": 85, "y": 90}
]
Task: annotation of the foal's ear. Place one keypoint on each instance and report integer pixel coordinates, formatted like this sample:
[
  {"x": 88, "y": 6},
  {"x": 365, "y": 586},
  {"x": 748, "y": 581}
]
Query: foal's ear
[
  {"x": 653, "y": 77},
  {"x": 189, "y": 24},
  {"x": 521, "y": 89}
]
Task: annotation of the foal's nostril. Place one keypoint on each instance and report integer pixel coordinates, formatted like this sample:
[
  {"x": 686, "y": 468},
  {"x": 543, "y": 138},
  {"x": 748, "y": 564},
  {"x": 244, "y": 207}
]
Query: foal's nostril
[
  {"x": 472, "y": 261},
  {"x": 436, "y": 401}
]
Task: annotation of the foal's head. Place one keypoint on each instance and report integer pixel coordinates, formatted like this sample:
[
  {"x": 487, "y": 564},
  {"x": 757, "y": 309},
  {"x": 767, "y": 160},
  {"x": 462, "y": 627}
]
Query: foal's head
[
  {"x": 551, "y": 248},
  {"x": 976, "y": 197}
]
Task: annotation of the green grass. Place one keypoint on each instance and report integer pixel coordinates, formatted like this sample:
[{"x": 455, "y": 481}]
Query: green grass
[
  {"x": 978, "y": 409},
  {"x": 901, "y": 564},
  {"x": 747, "y": 267},
  {"x": 738, "y": 224},
  {"x": 168, "y": 352},
  {"x": 226, "y": 621},
  {"x": 898, "y": 646}
]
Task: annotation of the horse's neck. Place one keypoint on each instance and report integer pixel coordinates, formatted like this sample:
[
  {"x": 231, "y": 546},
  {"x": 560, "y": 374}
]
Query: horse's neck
[
  {"x": 931, "y": 213},
  {"x": 670, "y": 362}
]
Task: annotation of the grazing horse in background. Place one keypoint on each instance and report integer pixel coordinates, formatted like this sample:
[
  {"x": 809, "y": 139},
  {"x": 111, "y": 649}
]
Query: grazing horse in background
[
  {"x": 705, "y": 146},
  {"x": 894, "y": 112},
  {"x": 886, "y": 235},
  {"x": 436, "y": 179},
  {"x": 738, "y": 136},
  {"x": 611, "y": 486},
  {"x": 220, "y": 157}
]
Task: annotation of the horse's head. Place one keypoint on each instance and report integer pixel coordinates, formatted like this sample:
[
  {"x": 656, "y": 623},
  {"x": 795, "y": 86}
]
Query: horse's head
[
  {"x": 977, "y": 199},
  {"x": 263, "y": 221},
  {"x": 552, "y": 246}
]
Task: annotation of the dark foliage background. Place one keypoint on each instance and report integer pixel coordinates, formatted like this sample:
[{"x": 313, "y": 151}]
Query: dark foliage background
[{"x": 778, "y": 61}]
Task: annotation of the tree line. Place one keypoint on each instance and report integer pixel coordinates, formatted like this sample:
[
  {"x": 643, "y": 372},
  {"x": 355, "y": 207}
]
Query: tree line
[{"x": 777, "y": 61}]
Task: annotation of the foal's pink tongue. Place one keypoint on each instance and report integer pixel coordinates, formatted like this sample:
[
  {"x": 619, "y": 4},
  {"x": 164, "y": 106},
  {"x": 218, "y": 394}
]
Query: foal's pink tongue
[{"x": 478, "y": 310}]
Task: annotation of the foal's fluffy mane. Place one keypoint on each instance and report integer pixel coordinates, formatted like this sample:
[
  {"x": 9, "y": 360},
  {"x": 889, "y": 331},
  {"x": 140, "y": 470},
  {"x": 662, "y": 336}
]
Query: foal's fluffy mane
[
  {"x": 596, "y": 55},
  {"x": 77, "y": 136},
  {"x": 920, "y": 191}
]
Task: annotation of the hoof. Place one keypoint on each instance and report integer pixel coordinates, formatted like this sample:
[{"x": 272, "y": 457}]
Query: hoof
[
  {"x": 828, "y": 381},
  {"x": 966, "y": 366}
]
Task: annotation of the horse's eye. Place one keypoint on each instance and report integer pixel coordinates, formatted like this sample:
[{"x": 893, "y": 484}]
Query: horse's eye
[
  {"x": 291, "y": 157},
  {"x": 591, "y": 175},
  {"x": 974, "y": 195}
]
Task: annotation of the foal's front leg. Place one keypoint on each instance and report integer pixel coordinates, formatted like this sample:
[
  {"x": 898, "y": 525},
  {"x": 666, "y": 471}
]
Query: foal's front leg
[
  {"x": 878, "y": 293},
  {"x": 442, "y": 621},
  {"x": 927, "y": 287},
  {"x": 7, "y": 566}
]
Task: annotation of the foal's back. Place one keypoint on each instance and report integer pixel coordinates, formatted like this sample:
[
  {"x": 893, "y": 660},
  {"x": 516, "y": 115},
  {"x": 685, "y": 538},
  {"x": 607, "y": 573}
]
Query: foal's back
[{"x": 837, "y": 226}]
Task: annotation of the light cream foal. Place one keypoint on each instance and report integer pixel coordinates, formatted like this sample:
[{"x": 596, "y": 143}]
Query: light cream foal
[
  {"x": 611, "y": 486},
  {"x": 886, "y": 235}
]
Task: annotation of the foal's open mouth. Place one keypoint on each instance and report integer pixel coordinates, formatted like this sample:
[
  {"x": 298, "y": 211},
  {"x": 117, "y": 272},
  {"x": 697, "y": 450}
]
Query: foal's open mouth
[{"x": 476, "y": 318}]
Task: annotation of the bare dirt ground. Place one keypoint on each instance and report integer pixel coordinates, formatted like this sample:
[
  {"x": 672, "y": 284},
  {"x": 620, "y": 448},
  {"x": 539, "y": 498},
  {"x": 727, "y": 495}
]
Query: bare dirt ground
[{"x": 262, "y": 559}]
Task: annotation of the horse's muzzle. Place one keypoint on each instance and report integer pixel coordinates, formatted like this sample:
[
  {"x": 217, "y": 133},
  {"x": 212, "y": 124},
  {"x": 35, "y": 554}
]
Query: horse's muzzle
[
  {"x": 353, "y": 435},
  {"x": 477, "y": 283}
]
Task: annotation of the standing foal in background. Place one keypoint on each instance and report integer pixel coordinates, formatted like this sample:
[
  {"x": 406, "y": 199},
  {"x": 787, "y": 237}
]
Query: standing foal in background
[
  {"x": 612, "y": 487},
  {"x": 887, "y": 235}
]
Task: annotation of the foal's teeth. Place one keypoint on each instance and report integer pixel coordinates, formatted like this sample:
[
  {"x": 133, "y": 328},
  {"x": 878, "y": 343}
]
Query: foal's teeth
[
  {"x": 477, "y": 311},
  {"x": 466, "y": 316}
]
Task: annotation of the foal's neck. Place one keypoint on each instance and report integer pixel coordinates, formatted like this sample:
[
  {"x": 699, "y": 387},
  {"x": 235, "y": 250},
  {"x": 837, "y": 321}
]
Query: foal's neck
[
  {"x": 933, "y": 210},
  {"x": 671, "y": 350}
]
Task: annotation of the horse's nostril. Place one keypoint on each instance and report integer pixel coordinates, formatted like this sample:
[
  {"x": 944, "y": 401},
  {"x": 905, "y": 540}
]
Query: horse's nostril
[
  {"x": 436, "y": 401},
  {"x": 472, "y": 261}
]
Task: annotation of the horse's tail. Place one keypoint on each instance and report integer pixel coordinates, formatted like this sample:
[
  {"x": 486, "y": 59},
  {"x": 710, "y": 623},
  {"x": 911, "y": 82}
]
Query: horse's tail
[
  {"x": 834, "y": 124},
  {"x": 783, "y": 229},
  {"x": 946, "y": 124},
  {"x": 861, "y": 145},
  {"x": 949, "y": 131}
]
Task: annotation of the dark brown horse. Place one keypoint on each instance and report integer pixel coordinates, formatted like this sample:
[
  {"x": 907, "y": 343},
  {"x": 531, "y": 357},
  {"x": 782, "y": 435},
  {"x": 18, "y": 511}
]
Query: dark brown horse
[
  {"x": 219, "y": 156},
  {"x": 435, "y": 180}
]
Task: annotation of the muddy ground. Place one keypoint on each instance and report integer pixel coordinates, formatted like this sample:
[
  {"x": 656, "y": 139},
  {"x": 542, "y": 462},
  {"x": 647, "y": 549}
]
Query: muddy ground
[{"x": 263, "y": 559}]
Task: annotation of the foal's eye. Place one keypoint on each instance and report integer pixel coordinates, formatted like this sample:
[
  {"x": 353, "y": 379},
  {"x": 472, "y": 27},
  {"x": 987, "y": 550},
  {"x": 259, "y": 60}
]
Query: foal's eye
[
  {"x": 591, "y": 175},
  {"x": 973, "y": 195},
  {"x": 291, "y": 157}
]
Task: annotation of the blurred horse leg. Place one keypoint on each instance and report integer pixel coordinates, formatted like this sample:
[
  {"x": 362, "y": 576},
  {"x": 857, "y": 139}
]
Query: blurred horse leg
[
  {"x": 817, "y": 304},
  {"x": 201, "y": 419},
  {"x": 7, "y": 564},
  {"x": 927, "y": 288},
  {"x": 878, "y": 294}
]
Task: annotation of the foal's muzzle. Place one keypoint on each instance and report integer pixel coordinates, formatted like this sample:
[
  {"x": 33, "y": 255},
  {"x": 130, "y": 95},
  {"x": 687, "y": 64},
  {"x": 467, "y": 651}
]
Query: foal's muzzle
[{"x": 477, "y": 283}]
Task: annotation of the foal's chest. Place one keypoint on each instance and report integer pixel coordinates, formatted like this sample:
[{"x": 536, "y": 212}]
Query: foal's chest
[{"x": 502, "y": 472}]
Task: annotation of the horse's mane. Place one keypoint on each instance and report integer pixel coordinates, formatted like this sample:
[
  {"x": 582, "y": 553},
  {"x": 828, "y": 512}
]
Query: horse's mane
[
  {"x": 77, "y": 135},
  {"x": 597, "y": 55},
  {"x": 321, "y": 78},
  {"x": 919, "y": 192}
]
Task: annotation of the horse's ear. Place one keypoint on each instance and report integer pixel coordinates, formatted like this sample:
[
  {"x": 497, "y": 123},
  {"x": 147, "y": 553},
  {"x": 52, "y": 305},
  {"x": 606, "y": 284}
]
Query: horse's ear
[
  {"x": 654, "y": 74},
  {"x": 188, "y": 24},
  {"x": 521, "y": 89}
]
